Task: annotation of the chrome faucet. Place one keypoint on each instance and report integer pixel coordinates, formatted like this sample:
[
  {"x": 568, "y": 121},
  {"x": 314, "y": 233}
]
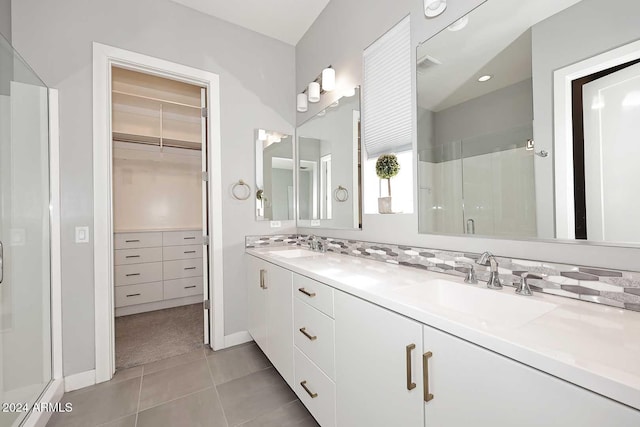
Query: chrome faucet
[
  {"x": 315, "y": 244},
  {"x": 494, "y": 277},
  {"x": 523, "y": 288}
]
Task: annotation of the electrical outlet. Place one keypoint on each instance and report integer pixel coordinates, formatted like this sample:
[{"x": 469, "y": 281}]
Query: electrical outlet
[
  {"x": 82, "y": 234},
  {"x": 275, "y": 224},
  {"x": 315, "y": 223}
]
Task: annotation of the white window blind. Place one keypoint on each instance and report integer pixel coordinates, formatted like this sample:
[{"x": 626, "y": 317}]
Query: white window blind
[{"x": 387, "y": 92}]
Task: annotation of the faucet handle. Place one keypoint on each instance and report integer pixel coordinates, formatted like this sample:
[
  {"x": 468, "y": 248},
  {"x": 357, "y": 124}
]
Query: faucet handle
[
  {"x": 523, "y": 288},
  {"x": 470, "y": 276}
]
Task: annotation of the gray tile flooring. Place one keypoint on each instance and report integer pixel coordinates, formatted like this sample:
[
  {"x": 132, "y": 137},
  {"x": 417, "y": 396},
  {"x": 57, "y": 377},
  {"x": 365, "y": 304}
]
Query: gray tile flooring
[{"x": 229, "y": 388}]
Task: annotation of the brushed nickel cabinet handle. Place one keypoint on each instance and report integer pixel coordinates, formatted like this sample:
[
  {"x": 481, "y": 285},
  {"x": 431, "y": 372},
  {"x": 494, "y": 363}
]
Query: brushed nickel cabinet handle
[
  {"x": 309, "y": 392},
  {"x": 133, "y": 295},
  {"x": 132, "y": 256},
  {"x": 190, "y": 268},
  {"x": 410, "y": 384},
  {"x": 189, "y": 252},
  {"x": 189, "y": 287},
  {"x": 263, "y": 274},
  {"x": 132, "y": 241},
  {"x": 189, "y": 238},
  {"x": 133, "y": 274},
  {"x": 307, "y": 293},
  {"x": 308, "y": 335},
  {"x": 425, "y": 369}
]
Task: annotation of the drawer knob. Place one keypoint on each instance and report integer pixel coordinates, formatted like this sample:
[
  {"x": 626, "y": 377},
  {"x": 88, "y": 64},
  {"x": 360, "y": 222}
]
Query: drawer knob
[
  {"x": 309, "y": 392},
  {"x": 133, "y": 295},
  {"x": 307, "y": 293},
  {"x": 308, "y": 335}
]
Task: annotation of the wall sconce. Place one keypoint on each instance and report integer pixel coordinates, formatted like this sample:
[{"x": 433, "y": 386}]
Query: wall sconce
[
  {"x": 302, "y": 103},
  {"x": 313, "y": 92},
  {"x": 433, "y": 8},
  {"x": 328, "y": 79},
  {"x": 262, "y": 135},
  {"x": 325, "y": 82}
]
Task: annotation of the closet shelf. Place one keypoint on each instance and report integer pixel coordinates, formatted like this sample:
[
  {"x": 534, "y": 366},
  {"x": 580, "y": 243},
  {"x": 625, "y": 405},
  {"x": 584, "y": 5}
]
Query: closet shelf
[{"x": 156, "y": 141}]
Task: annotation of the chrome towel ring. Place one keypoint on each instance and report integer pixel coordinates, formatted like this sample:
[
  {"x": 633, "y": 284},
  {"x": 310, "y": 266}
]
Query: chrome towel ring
[
  {"x": 341, "y": 194},
  {"x": 237, "y": 193}
]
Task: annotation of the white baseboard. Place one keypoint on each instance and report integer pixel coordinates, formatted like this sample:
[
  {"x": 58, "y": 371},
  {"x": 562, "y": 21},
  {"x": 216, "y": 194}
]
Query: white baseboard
[
  {"x": 80, "y": 380},
  {"x": 158, "y": 305},
  {"x": 52, "y": 394},
  {"x": 237, "y": 338}
]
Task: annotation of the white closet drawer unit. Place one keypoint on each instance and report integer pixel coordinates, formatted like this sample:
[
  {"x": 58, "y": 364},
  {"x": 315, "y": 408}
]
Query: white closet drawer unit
[
  {"x": 177, "y": 238},
  {"x": 137, "y": 240},
  {"x": 316, "y": 391},
  {"x": 138, "y": 273},
  {"x": 137, "y": 256},
  {"x": 182, "y": 268},
  {"x": 138, "y": 294},
  {"x": 314, "y": 293},
  {"x": 179, "y": 288},
  {"x": 181, "y": 252},
  {"x": 314, "y": 335}
]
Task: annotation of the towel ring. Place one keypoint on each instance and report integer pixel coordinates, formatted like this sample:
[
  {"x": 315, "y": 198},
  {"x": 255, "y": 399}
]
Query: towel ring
[
  {"x": 242, "y": 184},
  {"x": 341, "y": 194}
]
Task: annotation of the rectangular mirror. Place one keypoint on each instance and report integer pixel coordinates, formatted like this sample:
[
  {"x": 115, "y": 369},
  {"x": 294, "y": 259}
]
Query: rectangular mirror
[
  {"x": 528, "y": 120},
  {"x": 328, "y": 153},
  {"x": 274, "y": 195}
]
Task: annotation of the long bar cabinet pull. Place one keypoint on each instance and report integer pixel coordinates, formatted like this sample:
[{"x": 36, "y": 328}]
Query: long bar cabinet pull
[
  {"x": 410, "y": 384},
  {"x": 307, "y": 334},
  {"x": 307, "y": 293},
  {"x": 309, "y": 392},
  {"x": 263, "y": 273},
  {"x": 425, "y": 369}
]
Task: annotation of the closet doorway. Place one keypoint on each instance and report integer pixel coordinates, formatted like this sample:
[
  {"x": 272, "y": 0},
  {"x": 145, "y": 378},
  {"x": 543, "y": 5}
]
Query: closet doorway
[{"x": 161, "y": 235}]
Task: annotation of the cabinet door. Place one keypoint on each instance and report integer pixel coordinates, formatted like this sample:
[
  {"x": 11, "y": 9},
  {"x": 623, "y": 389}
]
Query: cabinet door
[
  {"x": 472, "y": 386},
  {"x": 280, "y": 320},
  {"x": 257, "y": 302},
  {"x": 373, "y": 386}
]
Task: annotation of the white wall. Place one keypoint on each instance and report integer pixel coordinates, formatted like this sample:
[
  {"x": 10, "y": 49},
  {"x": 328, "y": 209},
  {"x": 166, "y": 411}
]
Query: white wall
[
  {"x": 256, "y": 84},
  {"x": 360, "y": 23},
  {"x": 5, "y": 19}
]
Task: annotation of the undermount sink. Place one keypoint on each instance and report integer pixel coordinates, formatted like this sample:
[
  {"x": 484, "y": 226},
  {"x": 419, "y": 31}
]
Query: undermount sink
[
  {"x": 490, "y": 308},
  {"x": 294, "y": 253}
]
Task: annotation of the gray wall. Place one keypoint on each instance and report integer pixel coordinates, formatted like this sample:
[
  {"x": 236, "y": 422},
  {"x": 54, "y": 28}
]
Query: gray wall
[
  {"x": 5, "y": 19},
  {"x": 338, "y": 37},
  {"x": 256, "y": 85}
]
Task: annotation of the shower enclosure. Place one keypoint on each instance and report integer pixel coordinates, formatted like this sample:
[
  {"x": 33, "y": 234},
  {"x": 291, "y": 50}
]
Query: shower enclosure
[{"x": 25, "y": 266}]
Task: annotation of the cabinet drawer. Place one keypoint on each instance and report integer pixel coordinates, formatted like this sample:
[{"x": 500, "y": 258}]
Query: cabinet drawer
[
  {"x": 138, "y": 294},
  {"x": 178, "y": 238},
  {"x": 137, "y": 240},
  {"x": 138, "y": 273},
  {"x": 179, "y": 288},
  {"x": 314, "y": 293},
  {"x": 323, "y": 403},
  {"x": 137, "y": 256},
  {"x": 181, "y": 252},
  {"x": 182, "y": 268},
  {"x": 314, "y": 336}
]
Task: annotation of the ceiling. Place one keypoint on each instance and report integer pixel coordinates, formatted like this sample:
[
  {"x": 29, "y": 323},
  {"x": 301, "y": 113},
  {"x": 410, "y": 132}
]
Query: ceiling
[{"x": 284, "y": 20}]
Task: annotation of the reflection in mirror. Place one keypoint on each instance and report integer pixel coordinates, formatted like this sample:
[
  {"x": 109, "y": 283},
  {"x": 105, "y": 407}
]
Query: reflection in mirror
[
  {"x": 329, "y": 165},
  {"x": 274, "y": 176},
  {"x": 490, "y": 161}
]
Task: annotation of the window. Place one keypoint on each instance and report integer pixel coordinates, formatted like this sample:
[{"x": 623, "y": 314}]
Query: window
[{"x": 401, "y": 185}]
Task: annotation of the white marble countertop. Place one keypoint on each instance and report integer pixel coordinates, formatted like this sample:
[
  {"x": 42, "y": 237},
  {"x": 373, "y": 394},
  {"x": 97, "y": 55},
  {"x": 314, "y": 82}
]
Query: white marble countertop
[{"x": 594, "y": 346}]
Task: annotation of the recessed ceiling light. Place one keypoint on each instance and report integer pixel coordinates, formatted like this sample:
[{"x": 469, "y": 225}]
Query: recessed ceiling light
[
  {"x": 459, "y": 24},
  {"x": 485, "y": 78},
  {"x": 433, "y": 8}
]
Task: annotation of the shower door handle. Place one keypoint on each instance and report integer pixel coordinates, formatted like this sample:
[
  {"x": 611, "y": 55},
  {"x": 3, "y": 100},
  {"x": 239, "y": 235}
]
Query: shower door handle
[{"x": 1, "y": 262}]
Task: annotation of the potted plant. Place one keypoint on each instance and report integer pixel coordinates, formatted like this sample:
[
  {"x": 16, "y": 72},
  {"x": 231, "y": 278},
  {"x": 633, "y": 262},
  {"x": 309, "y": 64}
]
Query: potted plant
[{"x": 387, "y": 167}]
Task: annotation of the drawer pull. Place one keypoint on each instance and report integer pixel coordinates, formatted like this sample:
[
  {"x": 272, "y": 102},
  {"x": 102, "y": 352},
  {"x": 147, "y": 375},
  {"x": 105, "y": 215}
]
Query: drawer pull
[
  {"x": 189, "y": 238},
  {"x": 307, "y": 293},
  {"x": 308, "y": 335},
  {"x": 133, "y": 274},
  {"x": 132, "y": 256},
  {"x": 133, "y": 295},
  {"x": 263, "y": 274},
  {"x": 309, "y": 392},
  {"x": 425, "y": 369},
  {"x": 190, "y": 268},
  {"x": 189, "y": 287},
  {"x": 410, "y": 384},
  {"x": 189, "y": 252},
  {"x": 132, "y": 241}
]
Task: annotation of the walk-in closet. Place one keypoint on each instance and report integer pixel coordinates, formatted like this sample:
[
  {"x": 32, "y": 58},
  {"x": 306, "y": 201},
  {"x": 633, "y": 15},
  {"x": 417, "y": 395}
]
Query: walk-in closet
[{"x": 160, "y": 270}]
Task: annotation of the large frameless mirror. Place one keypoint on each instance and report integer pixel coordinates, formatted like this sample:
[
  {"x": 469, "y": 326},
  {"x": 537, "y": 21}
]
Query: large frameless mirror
[
  {"x": 528, "y": 117},
  {"x": 274, "y": 197},
  {"x": 329, "y": 167}
]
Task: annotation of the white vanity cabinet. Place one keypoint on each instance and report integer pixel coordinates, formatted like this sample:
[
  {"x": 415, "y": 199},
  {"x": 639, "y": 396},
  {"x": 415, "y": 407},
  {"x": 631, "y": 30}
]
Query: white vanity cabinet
[{"x": 270, "y": 317}]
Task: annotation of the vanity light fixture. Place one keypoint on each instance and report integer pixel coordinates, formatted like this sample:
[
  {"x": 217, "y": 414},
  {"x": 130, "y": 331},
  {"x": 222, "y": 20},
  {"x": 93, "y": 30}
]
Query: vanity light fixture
[
  {"x": 485, "y": 78},
  {"x": 433, "y": 8},
  {"x": 328, "y": 79},
  {"x": 302, "y": 103},
  {"x": 262, "y": 134},
  {"x": 350, "y": 92},
  {"x": 459, "y": 24},
  {"x": 313, "y": 92}
]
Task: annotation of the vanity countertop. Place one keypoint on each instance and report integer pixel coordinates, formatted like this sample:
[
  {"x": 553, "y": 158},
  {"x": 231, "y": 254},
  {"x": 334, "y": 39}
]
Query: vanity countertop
[{"x": 591, "y": 345}]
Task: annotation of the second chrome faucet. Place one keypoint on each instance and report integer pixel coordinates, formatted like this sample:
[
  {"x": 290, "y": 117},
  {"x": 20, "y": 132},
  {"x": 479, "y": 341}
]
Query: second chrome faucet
[{"x": 494, "y": 277}]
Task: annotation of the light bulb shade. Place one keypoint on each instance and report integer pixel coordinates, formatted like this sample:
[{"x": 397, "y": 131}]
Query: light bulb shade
[
  {"x": 262, "y": 134},
  {"x": 313, "y": 92},
  {"x": 433, "y": 8},
  {"x": 350, "y": 92},
  {"x": 302, "y": 103},
  {"x": 328, "y": 79}
]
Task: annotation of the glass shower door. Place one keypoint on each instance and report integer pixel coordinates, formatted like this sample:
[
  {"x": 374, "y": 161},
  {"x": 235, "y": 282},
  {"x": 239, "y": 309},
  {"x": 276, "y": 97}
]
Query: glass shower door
[{"x": 25, "y": 276}]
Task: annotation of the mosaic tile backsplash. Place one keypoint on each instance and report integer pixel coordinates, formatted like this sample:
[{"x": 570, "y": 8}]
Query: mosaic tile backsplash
[{"x": 609, "y": 287}]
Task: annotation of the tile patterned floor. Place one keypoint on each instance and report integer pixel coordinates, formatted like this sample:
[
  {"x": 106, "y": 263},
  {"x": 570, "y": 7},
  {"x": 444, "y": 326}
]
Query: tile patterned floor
[{"x": 233, "y": 387}]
